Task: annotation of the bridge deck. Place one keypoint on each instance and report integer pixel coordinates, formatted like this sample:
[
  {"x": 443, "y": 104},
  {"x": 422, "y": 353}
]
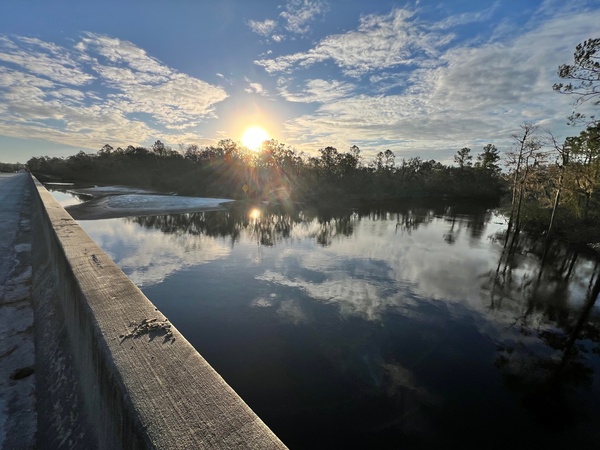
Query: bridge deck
[{"x": 18, "y": 417}]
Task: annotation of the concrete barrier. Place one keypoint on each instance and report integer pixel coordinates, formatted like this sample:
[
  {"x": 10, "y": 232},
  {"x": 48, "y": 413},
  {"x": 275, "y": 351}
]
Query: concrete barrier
[{"x": 112, "y": 372}]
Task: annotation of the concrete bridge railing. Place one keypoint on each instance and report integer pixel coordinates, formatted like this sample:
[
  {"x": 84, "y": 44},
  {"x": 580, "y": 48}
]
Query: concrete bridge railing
[{"x": 112, "y": 372}]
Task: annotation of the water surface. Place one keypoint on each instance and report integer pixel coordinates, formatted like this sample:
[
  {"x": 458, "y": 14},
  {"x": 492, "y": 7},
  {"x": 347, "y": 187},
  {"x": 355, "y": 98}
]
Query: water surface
[{"x": 400, "y": 326}]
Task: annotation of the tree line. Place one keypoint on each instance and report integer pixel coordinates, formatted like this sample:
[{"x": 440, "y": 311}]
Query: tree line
[
  {"x": 277, "y": 172},
  {"x": 11, "y": 167}
]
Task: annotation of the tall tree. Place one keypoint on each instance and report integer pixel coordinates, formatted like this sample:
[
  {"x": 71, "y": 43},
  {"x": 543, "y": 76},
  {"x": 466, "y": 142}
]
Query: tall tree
[
  {"x": 389, "y": 160},
  {"x": 384, "y": 161},
  {"x": 106, "y": 149},
  {"x": 488, "y": 160},
  {"x": 159, "y": 148},
  {"x": 463, "y": 158},
  {"x": 583, "y": 77}
]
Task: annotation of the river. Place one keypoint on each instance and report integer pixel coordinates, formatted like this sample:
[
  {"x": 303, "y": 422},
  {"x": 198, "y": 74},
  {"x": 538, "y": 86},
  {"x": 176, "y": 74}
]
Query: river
[{"x": 401, "y": 326}]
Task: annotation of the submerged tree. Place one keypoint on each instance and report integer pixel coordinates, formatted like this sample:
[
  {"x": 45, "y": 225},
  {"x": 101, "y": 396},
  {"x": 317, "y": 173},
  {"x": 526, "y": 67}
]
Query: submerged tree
[{"x": 563, "y": 151}]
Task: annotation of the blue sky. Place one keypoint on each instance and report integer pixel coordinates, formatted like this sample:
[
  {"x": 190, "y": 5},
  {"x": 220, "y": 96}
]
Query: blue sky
[{"x": 422, "y": 78}]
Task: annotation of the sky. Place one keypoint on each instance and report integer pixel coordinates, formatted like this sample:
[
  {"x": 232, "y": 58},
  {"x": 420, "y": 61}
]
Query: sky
[{"x": 420, "y": 77}]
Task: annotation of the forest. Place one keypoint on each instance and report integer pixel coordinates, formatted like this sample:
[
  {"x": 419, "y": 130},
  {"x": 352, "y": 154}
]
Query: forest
[
  {"x": 277, "y": 172},
  {"x": 10, "y": 167}
]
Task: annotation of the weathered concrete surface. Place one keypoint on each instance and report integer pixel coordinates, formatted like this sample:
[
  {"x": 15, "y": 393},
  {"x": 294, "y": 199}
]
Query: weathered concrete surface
[
  {"x": 136, "y": 383},
  {"x": 17, "y": 381}
]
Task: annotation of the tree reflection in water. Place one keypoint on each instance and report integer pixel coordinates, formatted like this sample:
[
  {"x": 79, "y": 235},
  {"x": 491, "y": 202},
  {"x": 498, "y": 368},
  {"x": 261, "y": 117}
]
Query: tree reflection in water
[
  {"x": 552, "y": 379},
  {"x": 544, "y": 322}
]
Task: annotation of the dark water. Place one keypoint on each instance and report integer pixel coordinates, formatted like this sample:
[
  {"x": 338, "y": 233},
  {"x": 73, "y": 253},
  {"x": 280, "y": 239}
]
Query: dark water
[{"x": 398, "y": 327}]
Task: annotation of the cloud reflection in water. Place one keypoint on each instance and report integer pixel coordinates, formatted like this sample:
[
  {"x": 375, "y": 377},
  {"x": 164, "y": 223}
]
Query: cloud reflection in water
[{"x": 148, "y": 256}]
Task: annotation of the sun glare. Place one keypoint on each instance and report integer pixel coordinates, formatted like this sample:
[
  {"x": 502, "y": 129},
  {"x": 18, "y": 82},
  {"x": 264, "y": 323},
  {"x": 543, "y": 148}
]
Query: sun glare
[
  {"x": 254, "y": 214},
  {"x": 253, "y": 138}
]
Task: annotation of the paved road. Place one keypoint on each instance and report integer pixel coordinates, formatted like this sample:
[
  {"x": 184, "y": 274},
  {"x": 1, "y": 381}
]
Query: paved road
[{"x": 18, "y": 416}]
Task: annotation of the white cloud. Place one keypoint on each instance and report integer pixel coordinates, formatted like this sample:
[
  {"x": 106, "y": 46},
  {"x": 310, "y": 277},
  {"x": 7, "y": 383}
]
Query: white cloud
[
  {"x": 465, "y": 18},
  {"x": 316, "y": 90},
  {"x": 118, "y": 52},
  {"x": 68, "y": 95},
  {"x": 264, "y": 28},
  {"x": 296, "y": 18},
  {"x": 468, "y": 94},
  {"x": 37, "y": 108},
  {"x": 43, "y": 59},
  {"x": 380, "y": 42},
  {"x": 146, "y": 85},
  {"x": 299, "y": 14},
  {"x": 90, "y": 94},
  {"x": 254, "y": 88}
]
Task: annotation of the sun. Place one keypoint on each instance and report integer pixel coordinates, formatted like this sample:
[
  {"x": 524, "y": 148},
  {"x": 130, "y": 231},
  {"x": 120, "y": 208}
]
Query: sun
[{"x": 253, "y": 138}]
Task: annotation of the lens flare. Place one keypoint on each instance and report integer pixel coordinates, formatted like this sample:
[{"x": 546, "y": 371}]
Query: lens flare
[
  {"x": 254, "y": 214},
  {"x": 254, "y": 137}
]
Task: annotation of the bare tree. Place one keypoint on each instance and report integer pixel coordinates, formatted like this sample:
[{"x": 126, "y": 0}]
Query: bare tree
[
  {"x": 563, "y": 152},
  {"x": 526, "y": 154}
]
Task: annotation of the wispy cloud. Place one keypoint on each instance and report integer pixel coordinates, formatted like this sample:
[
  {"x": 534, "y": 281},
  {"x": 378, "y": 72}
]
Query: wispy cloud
[
  {"x": 296, "y": 19},
  {"x": 445, "y": 96},
  {"x": 465, "y": 18},
  {"x": 95, "y": 92},
  {"x": 145, "y": 85},
  {"x": 38, "y": 108},
  {"x": 380, "y": 42},
  {"x": 264, "y": 28},
  {"x": 254, "y": 87},
  {"x": 299, "y": 14},
  {"x": 43, "y": 59},
  {"x": 317, "y": 90}
]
